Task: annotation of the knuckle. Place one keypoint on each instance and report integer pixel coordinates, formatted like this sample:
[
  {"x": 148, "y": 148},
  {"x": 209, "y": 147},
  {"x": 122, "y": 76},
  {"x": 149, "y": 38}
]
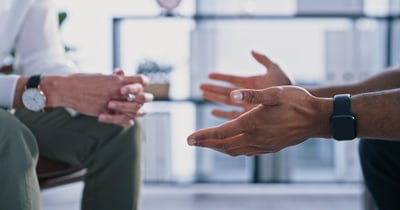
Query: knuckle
[
  {"x": 275, "y": 93},
  {"x": 143, "y": 79},
  {"x": 250, "y": 96},
  {"x": 140, "y": 98},
  {"x": 137, "y": 86},
  {"x": 116, "y": 79}
]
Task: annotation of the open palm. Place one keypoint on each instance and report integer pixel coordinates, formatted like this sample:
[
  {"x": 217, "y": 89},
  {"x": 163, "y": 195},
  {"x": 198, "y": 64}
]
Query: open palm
[{"x": 220, "y": 94}]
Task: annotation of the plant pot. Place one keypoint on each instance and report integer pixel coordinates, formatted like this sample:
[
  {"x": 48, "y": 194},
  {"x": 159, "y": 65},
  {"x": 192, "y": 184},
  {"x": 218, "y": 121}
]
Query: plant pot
[
  {"x": 160, "y": 91},
  {"x": 6, "y": 69}
]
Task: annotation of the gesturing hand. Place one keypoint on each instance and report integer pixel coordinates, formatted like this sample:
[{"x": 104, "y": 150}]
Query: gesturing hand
[
  {"x": 220, "y": 94},
  {"x": 285, "y": 116}
]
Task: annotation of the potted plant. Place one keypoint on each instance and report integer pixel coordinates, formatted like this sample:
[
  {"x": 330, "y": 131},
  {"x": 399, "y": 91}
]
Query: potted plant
[{"x": 159, "y": 76}]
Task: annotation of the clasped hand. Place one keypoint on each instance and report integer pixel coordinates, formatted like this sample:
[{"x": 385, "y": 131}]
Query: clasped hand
[{"x": 103, "y": 96}]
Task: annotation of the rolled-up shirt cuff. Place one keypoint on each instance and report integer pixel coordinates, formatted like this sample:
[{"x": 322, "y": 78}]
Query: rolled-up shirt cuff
[{"x": 8, "y": 85}]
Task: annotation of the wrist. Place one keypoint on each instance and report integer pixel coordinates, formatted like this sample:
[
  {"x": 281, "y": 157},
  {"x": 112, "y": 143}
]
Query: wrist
[
  {"x": 53, "y": 89},
  {"x": 343, "y": 124},
  {"x": 324, "y": 111}
]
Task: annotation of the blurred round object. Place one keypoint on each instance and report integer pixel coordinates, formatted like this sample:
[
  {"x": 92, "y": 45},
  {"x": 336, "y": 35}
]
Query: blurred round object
[{"x": 168, "y": 6}]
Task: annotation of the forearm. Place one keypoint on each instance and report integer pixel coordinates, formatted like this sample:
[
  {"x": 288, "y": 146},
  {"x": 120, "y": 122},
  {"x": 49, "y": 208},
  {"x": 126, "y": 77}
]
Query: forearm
[
  {"x": 377, "y": 114},
  {"x": 385, "y": 80}
]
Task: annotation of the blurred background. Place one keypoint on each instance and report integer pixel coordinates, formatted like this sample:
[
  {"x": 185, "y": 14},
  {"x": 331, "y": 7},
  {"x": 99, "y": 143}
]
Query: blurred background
[{"x": 315, "y": 41}]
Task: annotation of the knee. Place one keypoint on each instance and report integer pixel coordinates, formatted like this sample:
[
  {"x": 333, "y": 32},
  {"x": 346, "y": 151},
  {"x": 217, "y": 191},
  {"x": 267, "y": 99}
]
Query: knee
[
  {"x": 9, "y": 125},
  {"x": 16, "y": 138}
]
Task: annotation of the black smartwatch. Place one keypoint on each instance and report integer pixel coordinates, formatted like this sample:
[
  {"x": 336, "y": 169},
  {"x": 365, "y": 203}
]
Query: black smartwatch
[{"x": 343, "y": 123}]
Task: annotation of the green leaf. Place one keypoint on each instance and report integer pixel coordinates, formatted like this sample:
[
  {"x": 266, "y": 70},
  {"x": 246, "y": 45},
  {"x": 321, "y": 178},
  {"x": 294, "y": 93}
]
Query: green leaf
[{"x": 61, "y": 18}]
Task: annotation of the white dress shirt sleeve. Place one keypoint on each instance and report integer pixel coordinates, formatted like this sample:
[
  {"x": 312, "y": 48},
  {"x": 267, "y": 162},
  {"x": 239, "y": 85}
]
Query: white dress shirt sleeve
[
  {"x": 7, "y": 90},
  {"x": 39, "y": 46}
]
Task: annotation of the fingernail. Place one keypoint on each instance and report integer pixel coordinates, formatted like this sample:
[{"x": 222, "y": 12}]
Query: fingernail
[
  {"x": 112, "y": 105},
  {"x": 102, "y": 117},
  {"x": 191, "y": 141},
  {"x": 237, "y": 95}
]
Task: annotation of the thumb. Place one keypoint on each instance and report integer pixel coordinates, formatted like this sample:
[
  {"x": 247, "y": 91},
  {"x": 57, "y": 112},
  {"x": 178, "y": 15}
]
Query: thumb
[
  {"x": 269, "y": 96},
  {"x": 263, "y": 60}
]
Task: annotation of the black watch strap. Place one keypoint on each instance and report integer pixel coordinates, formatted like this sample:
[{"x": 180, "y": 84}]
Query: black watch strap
[
  {"x": 33, "y": 81},
  {"x": 343, "y": 123},
  {"x": 341, "y": 104}
]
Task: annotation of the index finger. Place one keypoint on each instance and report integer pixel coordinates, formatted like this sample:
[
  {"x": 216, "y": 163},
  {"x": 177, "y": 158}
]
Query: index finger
[
  {"x": 216, "y": 88},
  {"x": 235, "y": 80},
  {"x": 223, "y": 131},
  {"x": 136, "y": 79},
  {"x": 131, "y": 88},
  {"x": 263, "y": 60}
]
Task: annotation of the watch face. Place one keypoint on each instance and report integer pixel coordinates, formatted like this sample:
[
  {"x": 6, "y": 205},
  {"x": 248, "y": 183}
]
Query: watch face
[
  {"x": 343, "y": 127},
  {"x": 34, "y": 99}
]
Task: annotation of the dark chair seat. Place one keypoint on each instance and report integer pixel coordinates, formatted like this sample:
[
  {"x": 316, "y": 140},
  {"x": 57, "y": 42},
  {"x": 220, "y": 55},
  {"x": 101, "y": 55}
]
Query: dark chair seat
[{"x": 54, "y": 173}]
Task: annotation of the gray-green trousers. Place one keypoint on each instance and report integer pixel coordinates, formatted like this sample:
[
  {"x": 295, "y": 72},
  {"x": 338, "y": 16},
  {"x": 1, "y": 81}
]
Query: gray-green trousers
[{"x": 111, "y": 154}]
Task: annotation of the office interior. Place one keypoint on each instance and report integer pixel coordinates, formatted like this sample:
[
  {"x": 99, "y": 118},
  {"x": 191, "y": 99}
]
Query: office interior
[{"x": 316, "y": 42}]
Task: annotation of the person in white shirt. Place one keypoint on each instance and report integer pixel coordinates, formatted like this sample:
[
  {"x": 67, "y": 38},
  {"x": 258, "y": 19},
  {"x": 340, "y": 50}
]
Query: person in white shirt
[{"x": 87, "y": 119}]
